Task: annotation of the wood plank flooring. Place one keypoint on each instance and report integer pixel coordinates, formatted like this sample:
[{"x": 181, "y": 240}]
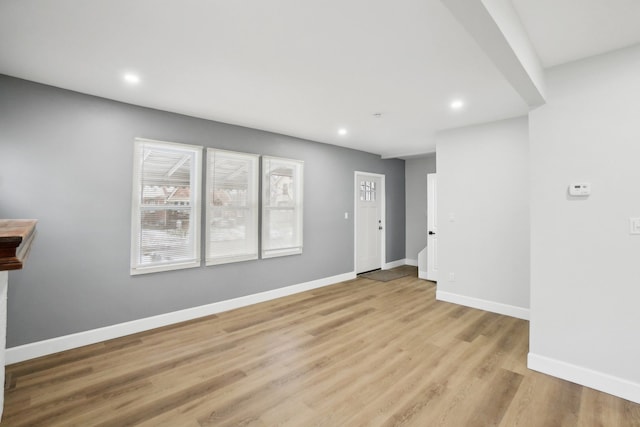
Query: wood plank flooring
[{"x": 359, "y": 353}]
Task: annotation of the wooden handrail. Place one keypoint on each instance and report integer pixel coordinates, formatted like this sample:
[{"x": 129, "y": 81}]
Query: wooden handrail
[{"x": 16, "y": 236}]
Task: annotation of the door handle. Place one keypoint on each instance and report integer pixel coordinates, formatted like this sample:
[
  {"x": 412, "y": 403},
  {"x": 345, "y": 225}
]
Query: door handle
[
  {"x": 379, "y": 227},
  {"x": 431, "y": 233}
]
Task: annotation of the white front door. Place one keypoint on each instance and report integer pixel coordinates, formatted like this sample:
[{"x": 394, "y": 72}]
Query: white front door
[
  {"x": 369, "y": 221},
  {"x": 432, "y": 227}
]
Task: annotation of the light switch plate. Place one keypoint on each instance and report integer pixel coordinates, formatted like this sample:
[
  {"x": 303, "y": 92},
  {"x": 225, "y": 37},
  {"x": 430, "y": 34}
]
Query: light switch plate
[{"x": 634, "y": 225}]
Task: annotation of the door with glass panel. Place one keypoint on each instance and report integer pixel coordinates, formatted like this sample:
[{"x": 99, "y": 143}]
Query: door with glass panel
[{"x": 369, "y": 222}]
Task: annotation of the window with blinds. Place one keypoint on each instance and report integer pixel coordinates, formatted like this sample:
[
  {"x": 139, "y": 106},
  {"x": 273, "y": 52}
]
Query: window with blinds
[
  {"x": 165, "y": 225},
  {"x": 282, "y": 184},
  {"x": 232, "y": 206}
]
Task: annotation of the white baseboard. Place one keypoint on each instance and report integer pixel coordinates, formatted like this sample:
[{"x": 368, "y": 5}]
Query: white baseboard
[
  {"x": 67, "y": 342},
  {"x": 394, "y": 264},
  {"x": 422, "y": 275},
  {"x": 492, "y": 306},
  {"x": 584, "y": 376},
  {"x": 409, "y": 261}
]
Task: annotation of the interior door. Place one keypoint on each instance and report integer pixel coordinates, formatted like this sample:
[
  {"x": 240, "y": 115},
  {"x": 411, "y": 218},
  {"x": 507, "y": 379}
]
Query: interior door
[
  {"x": 432, "y": 227},
  {"x": 369, "y": 226}
]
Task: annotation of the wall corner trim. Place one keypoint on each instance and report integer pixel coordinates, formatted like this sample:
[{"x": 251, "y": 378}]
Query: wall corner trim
[
  {"x": 482, "y": 304},
  {"x": 67, "y": 342},
  {"x": 606, "y": 383}
]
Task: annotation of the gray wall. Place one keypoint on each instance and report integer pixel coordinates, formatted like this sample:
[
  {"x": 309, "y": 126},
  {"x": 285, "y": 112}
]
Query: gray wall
[
  {"x": 66, "y": 159},
  {"x": 415, "y": 172},
  {"x": 483, "y": 212}
]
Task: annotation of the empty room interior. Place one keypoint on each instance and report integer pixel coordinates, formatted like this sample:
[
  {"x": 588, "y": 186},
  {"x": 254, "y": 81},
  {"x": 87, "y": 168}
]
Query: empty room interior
[{"x": 337, "y": 213}]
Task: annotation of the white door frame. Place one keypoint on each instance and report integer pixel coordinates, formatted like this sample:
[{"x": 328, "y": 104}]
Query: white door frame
[
  {"x": 432, "y": 226},
  {"x": 383, "y": 217}
]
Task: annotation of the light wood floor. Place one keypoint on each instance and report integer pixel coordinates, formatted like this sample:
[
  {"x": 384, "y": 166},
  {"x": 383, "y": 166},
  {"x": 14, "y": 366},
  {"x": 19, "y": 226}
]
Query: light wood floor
[{"x": 360, "y": 353}]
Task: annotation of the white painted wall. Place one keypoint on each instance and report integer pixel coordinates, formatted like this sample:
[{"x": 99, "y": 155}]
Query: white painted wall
[
  {"x": 483, "y": 216},
  {"x": 585, "y": 266},
  {"x": 415, "y": 171}
]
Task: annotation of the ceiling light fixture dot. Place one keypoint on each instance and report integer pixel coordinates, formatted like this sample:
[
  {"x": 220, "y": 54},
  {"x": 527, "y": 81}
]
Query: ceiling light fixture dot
[
  {"x": 131, "y": 78},
  {"x": 457, "y": 104}
]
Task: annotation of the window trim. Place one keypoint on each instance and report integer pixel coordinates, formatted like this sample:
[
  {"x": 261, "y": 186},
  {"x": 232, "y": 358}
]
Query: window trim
[
  {"x": 255, "y": 182},
  {"x": 298, "y": 208},
  {"x": 196, "y": 206}
]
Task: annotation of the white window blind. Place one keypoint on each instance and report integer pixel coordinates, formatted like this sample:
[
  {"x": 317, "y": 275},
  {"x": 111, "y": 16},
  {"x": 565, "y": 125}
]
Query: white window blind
[
  {"x": 281, "y": 206},
  {"x": 232, "y": 206},
  {"x": 165, "y": 225}
]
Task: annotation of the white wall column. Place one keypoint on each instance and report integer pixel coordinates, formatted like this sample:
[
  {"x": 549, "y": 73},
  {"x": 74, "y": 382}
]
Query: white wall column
[
  {"x": 16, "y": 236},
  {"x": 4, "y": 279}
]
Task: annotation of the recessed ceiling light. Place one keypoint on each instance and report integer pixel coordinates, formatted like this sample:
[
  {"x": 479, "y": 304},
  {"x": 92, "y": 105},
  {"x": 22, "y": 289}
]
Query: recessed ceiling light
[
  {"x": 457, "y": 104},
  {"x": 131, "y": 78},
  {"x": 342, "y": 131}
]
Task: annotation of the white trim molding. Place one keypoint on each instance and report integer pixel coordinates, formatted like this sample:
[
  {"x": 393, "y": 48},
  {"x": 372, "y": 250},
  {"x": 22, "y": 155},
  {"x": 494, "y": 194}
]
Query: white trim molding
[
  {"x": 584, "y": 376},
  {"x": 422, "y": 275},
  {"x": 67, "y": 342},
  {"x": 394, "y": 264},
  {"x": 482, "y": 304},
  {"x": 412, "y": 262}
]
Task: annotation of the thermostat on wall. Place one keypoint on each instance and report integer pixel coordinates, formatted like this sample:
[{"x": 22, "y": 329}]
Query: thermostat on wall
[{"x": 580, "y": 189}]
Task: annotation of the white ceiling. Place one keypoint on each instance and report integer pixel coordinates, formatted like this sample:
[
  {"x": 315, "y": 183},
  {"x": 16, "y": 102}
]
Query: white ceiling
[
  {"x": 298, "y": 68},
  {"x": 566, "y": 30}
]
